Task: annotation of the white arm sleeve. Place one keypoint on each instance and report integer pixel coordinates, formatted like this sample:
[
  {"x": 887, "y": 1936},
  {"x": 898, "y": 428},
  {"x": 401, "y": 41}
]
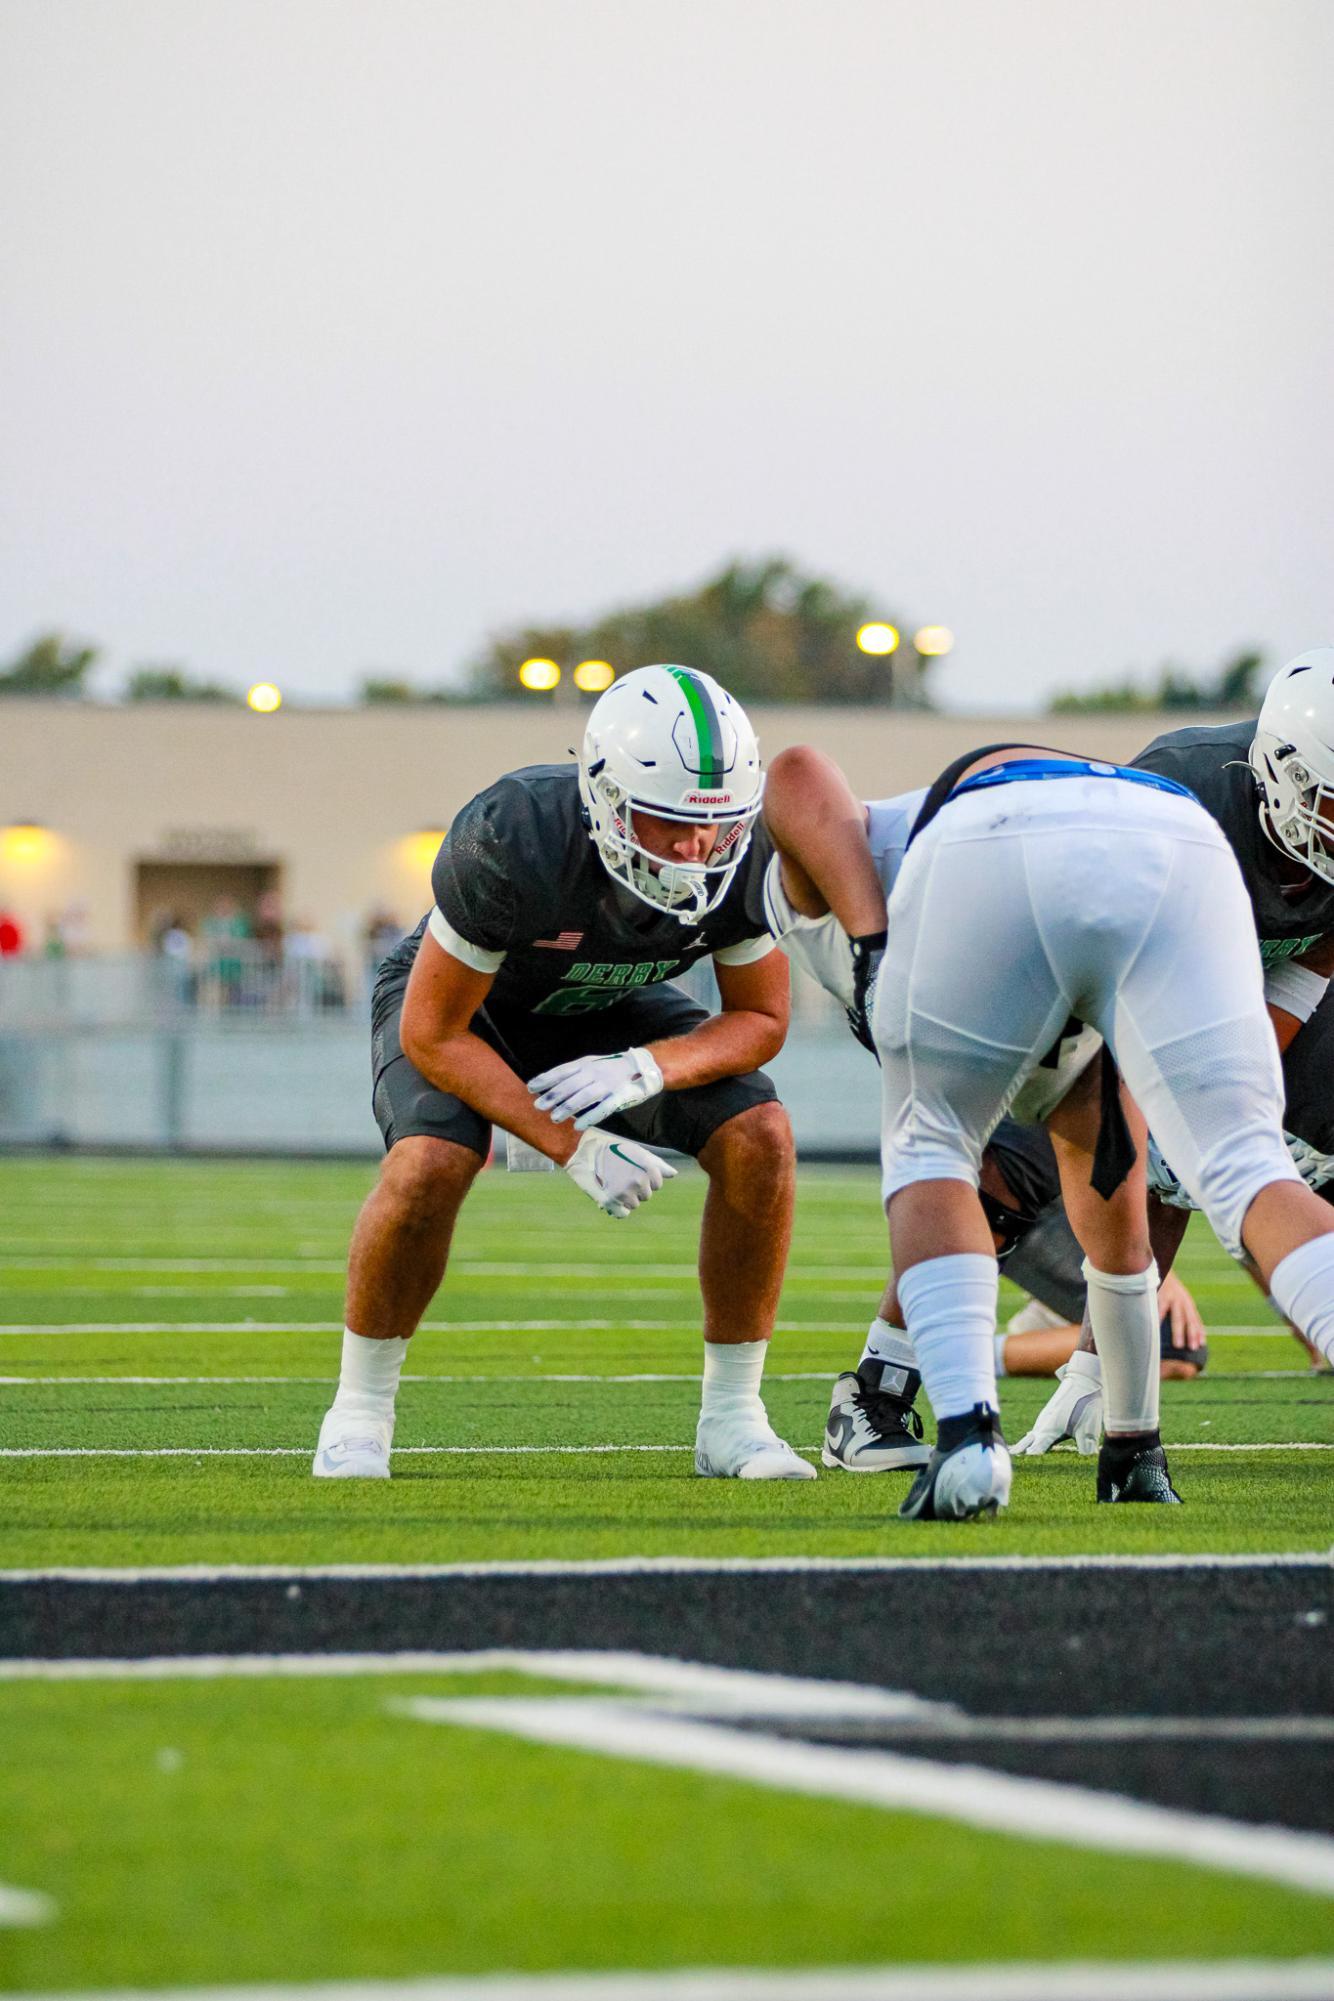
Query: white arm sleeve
[
  {"x": 1296, "y": 989},
  {"x": 458, "y": 947},
  {"x": 746, "y": 953}
]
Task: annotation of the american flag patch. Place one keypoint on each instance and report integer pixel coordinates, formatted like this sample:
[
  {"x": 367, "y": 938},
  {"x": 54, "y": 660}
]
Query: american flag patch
[{"x": 564, "y": 941}]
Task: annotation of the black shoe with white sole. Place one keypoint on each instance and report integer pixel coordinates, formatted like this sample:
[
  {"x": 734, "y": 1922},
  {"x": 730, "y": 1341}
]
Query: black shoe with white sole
[
  {"x": 967, "y": 1474},
  {"x": 872, "y": 1426}
]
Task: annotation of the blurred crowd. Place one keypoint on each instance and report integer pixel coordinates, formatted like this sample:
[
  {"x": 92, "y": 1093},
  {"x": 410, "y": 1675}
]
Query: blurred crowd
[
  {"x": 233, "y": 958},
  {"x": 258, "y": 960}
]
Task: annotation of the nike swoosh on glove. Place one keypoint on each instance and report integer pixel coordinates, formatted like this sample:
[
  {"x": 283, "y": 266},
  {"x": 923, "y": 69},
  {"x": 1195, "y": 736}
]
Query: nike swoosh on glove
[
  {"x": 593, "y": 1088},
  {"x": 867, "y": 954},
  {"x": 1073, "y": 1411},
  {"x": 617, "y": 1174}
]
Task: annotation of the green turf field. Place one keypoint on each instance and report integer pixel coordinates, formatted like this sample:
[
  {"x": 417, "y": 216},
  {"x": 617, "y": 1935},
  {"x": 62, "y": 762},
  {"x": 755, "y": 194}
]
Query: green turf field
[
  {"x": 169, "y": 1333},
  {"x": 193, "y": 1309}
]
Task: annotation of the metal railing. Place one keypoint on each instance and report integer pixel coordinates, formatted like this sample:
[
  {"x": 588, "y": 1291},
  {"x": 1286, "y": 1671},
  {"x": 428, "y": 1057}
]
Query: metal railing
[{"x": 247, "y": 1054}]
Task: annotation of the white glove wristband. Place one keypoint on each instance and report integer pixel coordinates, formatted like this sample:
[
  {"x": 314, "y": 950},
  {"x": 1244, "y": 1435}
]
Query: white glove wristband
[{"x": 650, "y": 1074}]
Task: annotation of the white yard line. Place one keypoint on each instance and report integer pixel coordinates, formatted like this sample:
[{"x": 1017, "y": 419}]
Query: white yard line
[
  {"x": 691, "y": 1686},
  {"x": 572, "y": 1324},
  {"x": 492, "y": 1451},
  {"x": 524, "y": 1376},
  {"x": 24, "y": 1907},
  {"x": 1036, "y": 1980},
  {"x": 568, "y": 1376},
  {"x": 608, "y": 1272},
  {"x": 999, "y": 1802},
  {"x": 694, "y": 1688},
  {"x": 658, "y": 1724},
  {"x": 639, "y": 1566}
]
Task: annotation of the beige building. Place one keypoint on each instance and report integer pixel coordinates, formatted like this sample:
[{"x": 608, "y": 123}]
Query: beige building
[{"x": 115, "y": 819}]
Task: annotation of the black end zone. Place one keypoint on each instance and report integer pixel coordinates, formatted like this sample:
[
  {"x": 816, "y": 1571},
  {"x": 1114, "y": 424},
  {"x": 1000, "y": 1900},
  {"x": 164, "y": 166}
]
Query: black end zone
[{"x": 1246, "y": 1642}]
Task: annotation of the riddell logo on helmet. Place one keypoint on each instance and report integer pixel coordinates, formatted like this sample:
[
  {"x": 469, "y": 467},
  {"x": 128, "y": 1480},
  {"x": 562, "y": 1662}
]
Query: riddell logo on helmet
[{"x": 707, "y": 799}]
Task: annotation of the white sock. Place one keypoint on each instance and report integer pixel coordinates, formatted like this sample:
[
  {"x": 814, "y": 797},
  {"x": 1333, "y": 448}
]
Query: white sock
[
  {"x": 998, "y": 1349},
  {"x": 1302, "y": 1288},
  {"x": 1123, "y": 1309},
  {"x": 950, "y": 1306},
  {"x": 368, "y": 1380},
  {"x": 888, "y": 1344},
  {"x": 732, "y": 1372}
]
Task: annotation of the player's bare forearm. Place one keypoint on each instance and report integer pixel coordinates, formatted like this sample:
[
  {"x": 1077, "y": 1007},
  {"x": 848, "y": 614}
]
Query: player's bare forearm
[
  {"x": 819, "y": 829},
  {"x": 748, "y": 1032},
  {"x": 726, "y": 1045},
  {"x": 471, "y": 1070},
  {"x": 443, "y": 996}
]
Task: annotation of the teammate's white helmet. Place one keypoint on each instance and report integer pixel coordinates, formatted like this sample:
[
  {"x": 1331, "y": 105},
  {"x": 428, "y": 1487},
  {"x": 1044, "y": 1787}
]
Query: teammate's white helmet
[
  {"x": 1292, "y": 756},
  {"x": 671, "y": 742}
]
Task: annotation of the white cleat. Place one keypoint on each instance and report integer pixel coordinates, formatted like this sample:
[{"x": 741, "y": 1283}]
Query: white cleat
[
  {"x": 353, "y": 1447},
  {"x": 746, "y": 1448}
]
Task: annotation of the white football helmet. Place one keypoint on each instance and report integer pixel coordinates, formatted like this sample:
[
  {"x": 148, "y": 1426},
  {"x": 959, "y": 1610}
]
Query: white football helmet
[
  {"x": 1292, "y": 756},
  {"x": 669, "y": 741}
]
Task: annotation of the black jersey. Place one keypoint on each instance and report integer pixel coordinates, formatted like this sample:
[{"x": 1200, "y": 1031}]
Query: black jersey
[
  {"x": 518, "y": 874},
  {"x": 1212, "y": 763}
]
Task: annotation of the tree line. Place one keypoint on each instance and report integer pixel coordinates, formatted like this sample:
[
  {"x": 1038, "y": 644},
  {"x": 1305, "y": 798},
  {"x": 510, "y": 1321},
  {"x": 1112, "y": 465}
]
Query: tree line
[{"x": 767, "y": 629}]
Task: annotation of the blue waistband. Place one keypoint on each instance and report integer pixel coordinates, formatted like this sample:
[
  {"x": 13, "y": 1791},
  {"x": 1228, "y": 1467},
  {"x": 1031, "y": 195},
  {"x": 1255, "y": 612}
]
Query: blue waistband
[{"x": 1041, "y": 767}]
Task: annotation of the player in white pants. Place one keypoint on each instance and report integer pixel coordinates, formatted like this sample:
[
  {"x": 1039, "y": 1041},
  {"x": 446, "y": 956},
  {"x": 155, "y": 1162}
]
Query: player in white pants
[{"x": 1045, "y": 887}]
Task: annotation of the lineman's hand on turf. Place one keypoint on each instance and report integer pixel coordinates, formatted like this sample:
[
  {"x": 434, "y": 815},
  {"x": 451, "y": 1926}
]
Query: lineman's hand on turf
[
  {"x": 616, "y": 1173},
  {"x": 593, "y": 1088},
  {"x": 867, "y": 954},
  {"x": 1182, "y": 1312},
  {"x": 1074, "y": 1411}
]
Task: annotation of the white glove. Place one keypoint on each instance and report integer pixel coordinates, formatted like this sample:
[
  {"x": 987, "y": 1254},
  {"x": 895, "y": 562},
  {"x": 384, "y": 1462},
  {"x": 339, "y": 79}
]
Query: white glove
[
  {"x": 593, "y": 1088},
  {"x": 1073, "y": 1411},
  {"x": 617, "y": 1173}
]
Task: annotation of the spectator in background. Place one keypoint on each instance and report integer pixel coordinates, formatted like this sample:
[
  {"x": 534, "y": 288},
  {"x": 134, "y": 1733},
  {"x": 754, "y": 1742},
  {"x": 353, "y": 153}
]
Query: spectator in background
[
  {"x": 269, "y": 929},
  {"x": 319, "y": 977},
  {"x": 267, "y": 963},
  {"x": 176, "y": 950},
  {"x": 224, "y": 967},
  {"x": 380, "y": 934}
]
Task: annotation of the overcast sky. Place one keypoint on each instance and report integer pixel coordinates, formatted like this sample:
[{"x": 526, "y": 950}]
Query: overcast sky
[{"x": 336, "y": 334}]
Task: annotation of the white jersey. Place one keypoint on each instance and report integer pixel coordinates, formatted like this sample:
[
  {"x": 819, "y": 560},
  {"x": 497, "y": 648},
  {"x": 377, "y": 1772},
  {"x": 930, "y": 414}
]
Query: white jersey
[{"x": 819, "y": 945}]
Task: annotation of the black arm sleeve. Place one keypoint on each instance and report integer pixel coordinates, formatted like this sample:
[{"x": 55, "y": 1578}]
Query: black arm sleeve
[{"x": 473, "y": 877}]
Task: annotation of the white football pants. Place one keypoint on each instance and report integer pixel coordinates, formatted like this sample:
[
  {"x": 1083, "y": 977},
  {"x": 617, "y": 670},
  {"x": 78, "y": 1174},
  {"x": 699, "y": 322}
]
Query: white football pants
[{"x": 1023, "y": 904}]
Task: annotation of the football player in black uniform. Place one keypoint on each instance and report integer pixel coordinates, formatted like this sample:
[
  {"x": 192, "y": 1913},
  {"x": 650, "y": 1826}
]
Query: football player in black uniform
[{"x": 537, "y": 995}]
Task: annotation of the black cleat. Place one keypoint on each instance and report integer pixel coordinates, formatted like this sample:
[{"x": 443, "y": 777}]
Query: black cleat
[
  {"x": 1135, "y": 1473},
  {"x": 967, "y": 1474},
  {"x": 872, "y": 1425}
]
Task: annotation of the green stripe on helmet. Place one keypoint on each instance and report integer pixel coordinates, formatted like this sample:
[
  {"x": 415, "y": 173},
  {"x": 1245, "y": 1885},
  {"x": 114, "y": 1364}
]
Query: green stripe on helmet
[{"x": 708, "y": 728}]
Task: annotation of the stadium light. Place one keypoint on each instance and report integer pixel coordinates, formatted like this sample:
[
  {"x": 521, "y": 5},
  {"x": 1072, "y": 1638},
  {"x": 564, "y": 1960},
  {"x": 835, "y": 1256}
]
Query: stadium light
[
  {"x": 25, "y": 842},
  {"x": 421, "y": 848},
  {"x": 931, "y": 640},
  {"x": 539, "y": 675},
  {"x": 592, "y": 676},
  {"x": 877, "y": 638},
  {"x": 264, "y": 698}
]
